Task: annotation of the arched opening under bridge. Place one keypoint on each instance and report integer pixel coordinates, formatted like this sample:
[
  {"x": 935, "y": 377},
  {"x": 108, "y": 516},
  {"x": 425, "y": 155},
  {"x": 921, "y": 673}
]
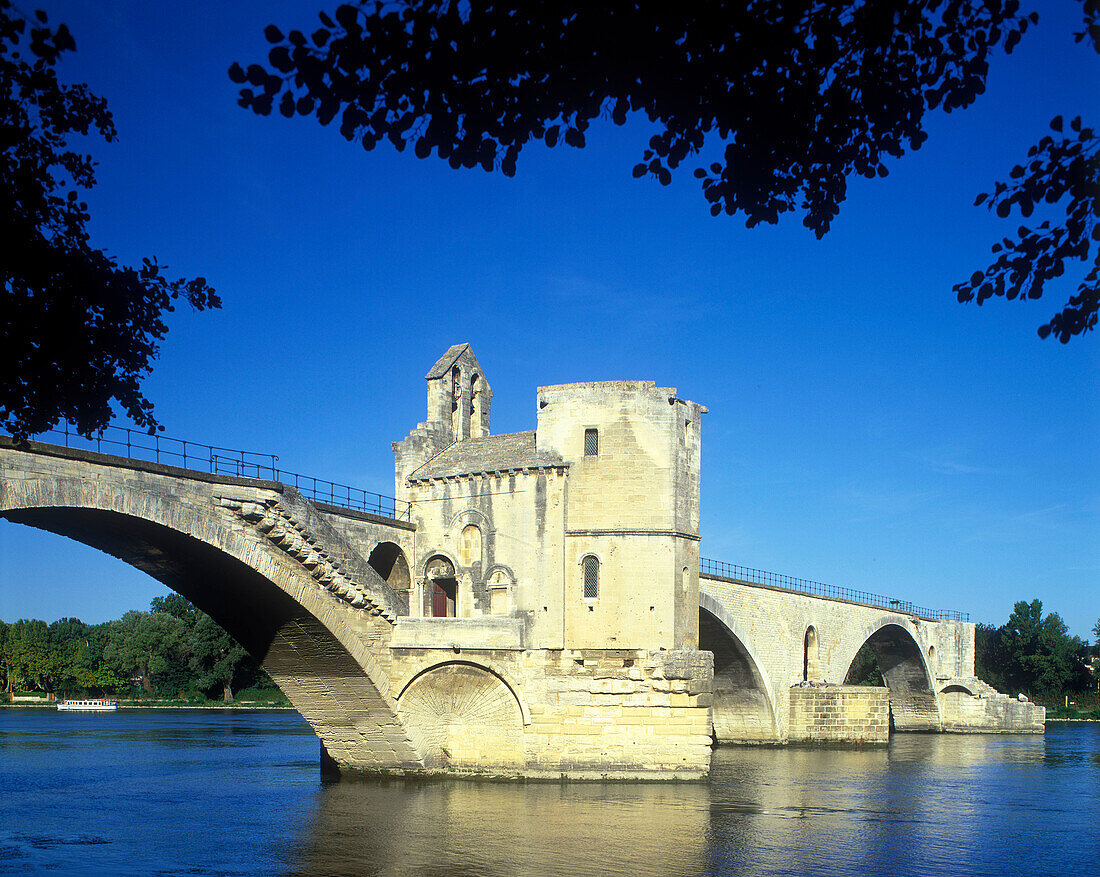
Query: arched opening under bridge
[
  {"x": 902, "y": 664},
  {"x": 742, "y": 709},
  {"x": 320, "y": 666},
  {"x": 388, "y": 560}
]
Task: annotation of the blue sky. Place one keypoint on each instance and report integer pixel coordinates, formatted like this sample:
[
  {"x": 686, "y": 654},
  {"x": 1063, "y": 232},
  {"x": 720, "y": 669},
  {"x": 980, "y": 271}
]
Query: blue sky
[{"x": 865, "y": 429}]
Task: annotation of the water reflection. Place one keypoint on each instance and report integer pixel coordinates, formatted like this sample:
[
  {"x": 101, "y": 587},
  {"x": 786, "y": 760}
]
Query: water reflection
[
  {"x": 459, "y": 828},
  {"x": 240, "y": 794},
  {"x": 927, "y": 804}
]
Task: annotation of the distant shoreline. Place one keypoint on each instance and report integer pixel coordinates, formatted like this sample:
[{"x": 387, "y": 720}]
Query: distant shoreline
[
  {"x": 261, "y": 707},
  {"x": 163, "y": 706}
]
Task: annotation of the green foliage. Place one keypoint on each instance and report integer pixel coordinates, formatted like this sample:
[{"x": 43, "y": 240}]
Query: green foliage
[
  {"x": 33, "y": 662},
  {"x": 216, "y": 658},
  {"x": 78, "y": 330},
  {"x": 175, "y": 605},
  {"x": 259, "y": 694},
  {"x": 174, "y": 652},
  {"x": 865, "y": 669},
  {"x": 989, "y": 658},
  {"x": 5, "y": 667},
  {"x": 1082, "y": 705},
  {"x": 1032, "y": 654},
  {"x": 1096, "y": 653}
]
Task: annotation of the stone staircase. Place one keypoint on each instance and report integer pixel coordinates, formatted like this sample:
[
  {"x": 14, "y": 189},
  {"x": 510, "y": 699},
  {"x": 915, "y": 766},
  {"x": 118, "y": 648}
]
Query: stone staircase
[{"x": 980, "y": 708}]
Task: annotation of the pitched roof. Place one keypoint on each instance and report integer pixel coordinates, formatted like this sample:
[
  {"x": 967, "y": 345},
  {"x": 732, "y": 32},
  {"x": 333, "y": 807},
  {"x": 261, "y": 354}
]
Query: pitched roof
[
  {"x": 493, "y": 453},
  {"x": 444, "y": 363}
]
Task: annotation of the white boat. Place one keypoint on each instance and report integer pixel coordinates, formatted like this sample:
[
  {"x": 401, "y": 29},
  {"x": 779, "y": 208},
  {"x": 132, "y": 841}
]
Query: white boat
[{"x": 87, "y": 706}]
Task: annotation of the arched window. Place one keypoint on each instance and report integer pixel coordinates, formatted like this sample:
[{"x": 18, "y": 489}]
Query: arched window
[
  {"x": 809, "y": 661},
  {"x": 456, "y": 396},
  {"x": 469, "y": 545},
  {"x": 591, "y": 577}
]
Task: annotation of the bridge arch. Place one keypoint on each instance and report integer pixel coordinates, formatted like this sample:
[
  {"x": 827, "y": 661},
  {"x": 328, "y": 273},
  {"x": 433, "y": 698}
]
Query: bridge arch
[
  {"x": 743, "y": 710},
  {"x": 959, "y": 686},
  {"x": 466, "y": 714},
  {"x": 177, "y": 527},
  {"x": 902, "y": 661},
  {"x": 389, "y": 561}
]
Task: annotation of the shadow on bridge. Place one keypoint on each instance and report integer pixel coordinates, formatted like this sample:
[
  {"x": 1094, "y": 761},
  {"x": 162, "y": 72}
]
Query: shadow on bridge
[
  {"x": 905, "y": 673},
  {"x": 743, "y": 709},
  {"x": 255, "y": 565}
]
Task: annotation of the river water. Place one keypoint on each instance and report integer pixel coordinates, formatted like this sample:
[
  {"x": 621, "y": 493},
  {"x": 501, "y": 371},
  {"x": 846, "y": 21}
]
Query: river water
[{"x": 237, "y": 793}]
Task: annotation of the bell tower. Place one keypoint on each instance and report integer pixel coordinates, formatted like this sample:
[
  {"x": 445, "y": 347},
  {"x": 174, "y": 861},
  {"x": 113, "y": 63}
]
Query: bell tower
[
  {"x": 459, "y": 408},
  {"x": 458, "y": 394}
]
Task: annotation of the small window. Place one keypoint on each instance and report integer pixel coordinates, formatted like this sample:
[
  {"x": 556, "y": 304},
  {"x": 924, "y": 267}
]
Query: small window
[
  {"x": 591, "y": 577},
  {"x": 469, "y": 545},
  {"x": 591, "y": 442}
]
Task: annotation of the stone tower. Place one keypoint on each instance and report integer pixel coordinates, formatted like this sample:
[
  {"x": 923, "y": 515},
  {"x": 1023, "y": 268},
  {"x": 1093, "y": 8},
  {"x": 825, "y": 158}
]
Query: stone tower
[{"x": 459, "y": 406}]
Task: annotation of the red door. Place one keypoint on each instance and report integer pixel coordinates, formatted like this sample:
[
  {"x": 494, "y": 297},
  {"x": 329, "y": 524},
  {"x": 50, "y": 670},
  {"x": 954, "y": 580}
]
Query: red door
[{"x": 439, "y": 601}]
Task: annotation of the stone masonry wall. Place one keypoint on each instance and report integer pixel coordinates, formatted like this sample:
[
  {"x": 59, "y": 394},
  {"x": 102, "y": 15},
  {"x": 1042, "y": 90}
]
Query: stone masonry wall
[
  {"x": 609, "y": 712},
  {"x": 585, "y": 714},
  {"x": 990, "y": 711},
  {"x": 527, "y": 567},
  {"x": 633, "y": 505},
  {"x": 839, "y": 714},
  {"x": 772, "y": 624}
]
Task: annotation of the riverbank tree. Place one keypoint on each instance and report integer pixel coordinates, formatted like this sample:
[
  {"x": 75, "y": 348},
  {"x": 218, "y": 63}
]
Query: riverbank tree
[
  {"x": 172, "y": 651},
  {"x": 1096, "y": 654},
  {"x": 1032, "y": 654}
]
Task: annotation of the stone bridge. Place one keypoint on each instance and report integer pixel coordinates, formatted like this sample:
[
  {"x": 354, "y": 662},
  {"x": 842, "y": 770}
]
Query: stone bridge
[
  {"x": 284, "y": 576},
  {"x": 320, "y": 596},
  {"x": 779, "y": 654}
]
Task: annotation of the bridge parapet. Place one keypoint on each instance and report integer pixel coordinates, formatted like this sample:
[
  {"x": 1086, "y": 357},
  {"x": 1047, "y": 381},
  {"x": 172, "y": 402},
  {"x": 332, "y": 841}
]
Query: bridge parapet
[
  {"x": 182, "y": 454},
  {"x": 748, "y": 575}
]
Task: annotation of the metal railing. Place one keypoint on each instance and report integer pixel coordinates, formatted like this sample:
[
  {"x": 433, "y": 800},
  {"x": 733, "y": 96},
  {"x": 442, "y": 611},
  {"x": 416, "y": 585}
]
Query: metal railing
[
  {"x": 137, "y": 445},
  {"x": 820, "y": 589}
]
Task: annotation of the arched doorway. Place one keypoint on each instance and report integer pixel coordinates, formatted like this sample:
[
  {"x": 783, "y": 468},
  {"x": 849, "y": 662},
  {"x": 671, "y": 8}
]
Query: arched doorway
[{"x": 439, "y": 575}]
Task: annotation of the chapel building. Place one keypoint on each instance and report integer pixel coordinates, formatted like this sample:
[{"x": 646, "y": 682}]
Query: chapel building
[{"x": 582, "y": 533}]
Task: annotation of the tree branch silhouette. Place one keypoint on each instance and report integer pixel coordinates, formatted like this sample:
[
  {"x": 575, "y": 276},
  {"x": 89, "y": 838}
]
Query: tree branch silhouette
[
  {"x": 775, "y": 102},
  {"x": 78, "y": 331}
]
